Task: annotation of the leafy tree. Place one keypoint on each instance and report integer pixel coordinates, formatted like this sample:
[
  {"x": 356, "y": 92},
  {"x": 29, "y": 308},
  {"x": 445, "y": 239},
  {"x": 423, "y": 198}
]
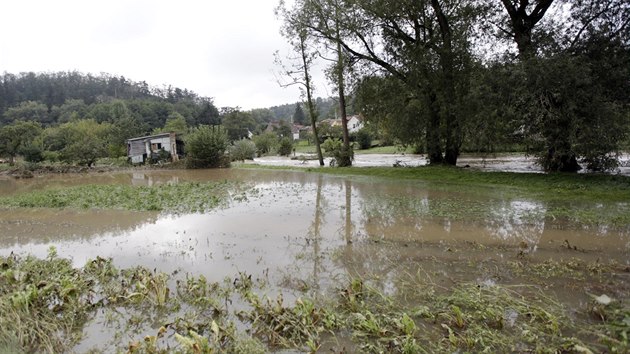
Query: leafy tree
[
  {"x": 85, "y": 141},
  {"x": 423, "y": 44},
  {"x": 364, "y": 139},
  {"x": 175, "y": 123},
  {"x": 71, "y": 109},
  {"x": 209, "y": 114},
  {"x": 262, "y": 115},
  {"x": 298, "y": 116},
  {"x": 300, "y": 73},
  {"x": 283, "y": 130},
  {"x": 285, "y": 146},
  {"x": 265, "y": 142},
  {"x": 242, "y": 150},
  {"x": 18, "y": 135},
  {"x": 237, "y": 123},
  {"x": 206, "y": 147},
  {"x": 28, "y": 110},
  {"x": 570, "y": 109}
]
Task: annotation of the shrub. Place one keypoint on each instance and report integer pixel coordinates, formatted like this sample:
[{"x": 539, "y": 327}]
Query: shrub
[
  {"x": 285, "y": 146},
  {"x": 206, "y": 147},
  {"x": 334, "y": 148},
  {"x": 265, "y": 142},
  {"x": 32, "y": 153},
  {"x": 364, "y": 138},
  {"x": 330, "y": 146},
  {"x": 242, "y": 150},
  {"x": 51, "y": 156}
]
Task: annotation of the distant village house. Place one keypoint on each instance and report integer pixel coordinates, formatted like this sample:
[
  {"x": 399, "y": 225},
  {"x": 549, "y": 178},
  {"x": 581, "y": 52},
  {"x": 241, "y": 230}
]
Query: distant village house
[{"x": 151, "y": 147}]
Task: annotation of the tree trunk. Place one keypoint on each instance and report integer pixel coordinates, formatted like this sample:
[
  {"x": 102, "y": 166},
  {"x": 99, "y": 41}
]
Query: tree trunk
[
  {"x": 434, "y": 149},
  {"x": 453, "y": 129},
  {"x": 309, "y": 102},
  {"x": 346, "y": 154}
]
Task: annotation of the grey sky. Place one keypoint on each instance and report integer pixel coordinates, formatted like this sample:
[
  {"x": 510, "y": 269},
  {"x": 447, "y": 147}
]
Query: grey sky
[{"x": 220, "y": 49}]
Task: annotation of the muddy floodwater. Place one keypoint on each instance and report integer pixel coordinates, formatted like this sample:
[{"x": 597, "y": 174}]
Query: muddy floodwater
[{"x": 307, "y": 231}]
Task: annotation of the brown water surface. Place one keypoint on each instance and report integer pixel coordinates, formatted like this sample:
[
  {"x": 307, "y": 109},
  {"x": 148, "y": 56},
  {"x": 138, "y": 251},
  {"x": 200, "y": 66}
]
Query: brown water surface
[{"x": 307, "y": 231}]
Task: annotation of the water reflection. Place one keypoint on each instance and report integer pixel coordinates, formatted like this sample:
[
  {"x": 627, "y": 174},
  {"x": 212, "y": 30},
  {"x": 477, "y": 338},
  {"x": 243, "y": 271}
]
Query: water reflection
[{"x": 308, "y": 229}]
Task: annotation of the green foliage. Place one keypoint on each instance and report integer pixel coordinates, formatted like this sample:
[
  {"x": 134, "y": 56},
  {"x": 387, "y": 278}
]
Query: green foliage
[
  {"x": 66, "y": 96},
  {"x": 85, "y": 141},
  {"x": 298, "y": 116},
  {"x": 341, "y": 157},
  {"x": 174, "y": 123},
  {"x": 206, "y": 147},
  {"x": 17, "y": 136},
  {"x": 265, "y": 143},
  {"x": 364, "y": 139},
  {"x": 238, "y": 124},
  {"x": 242, "y": 150},
  {"x": 285, "y": 146},
  {"x": 175, "y": 198},
  {"x": 283, "y": 130},
  {"x": 330, "y": 146},
  {"x": 32, "y": 153},
  {"x": 28, "y": 111}
]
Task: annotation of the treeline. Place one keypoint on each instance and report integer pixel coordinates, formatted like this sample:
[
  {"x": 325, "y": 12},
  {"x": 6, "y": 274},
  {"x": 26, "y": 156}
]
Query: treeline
[
  {"x": 52, "y": 98},
  {"x": 57, "y": 98},
  {"x": 78, "y": 119},
  {"x": 547, "y": 76}
]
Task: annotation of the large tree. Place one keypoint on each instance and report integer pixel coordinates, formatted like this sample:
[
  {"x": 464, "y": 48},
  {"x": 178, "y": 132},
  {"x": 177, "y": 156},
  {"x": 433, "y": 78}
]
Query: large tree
[
  {"x": 299, "y": 73},
  {"x": 423, "y": 44},
  {"x": 571, "y": 109},
  {"x": 18, "y": 135}
]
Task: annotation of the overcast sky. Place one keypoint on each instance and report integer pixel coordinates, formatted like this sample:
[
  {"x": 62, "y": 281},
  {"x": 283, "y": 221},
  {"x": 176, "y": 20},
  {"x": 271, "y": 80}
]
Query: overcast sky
[{"x": 220, "y": 49}]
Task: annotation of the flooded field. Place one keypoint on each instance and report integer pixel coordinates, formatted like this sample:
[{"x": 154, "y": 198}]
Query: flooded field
[
  {"x": 305, "y": 234},
  {"x": 506, "y": 162}
]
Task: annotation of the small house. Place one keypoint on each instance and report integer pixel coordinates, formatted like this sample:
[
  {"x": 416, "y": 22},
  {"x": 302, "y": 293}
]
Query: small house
[
  {"x": 154, "y": 146},
  {"x": 355, "y": 123}
]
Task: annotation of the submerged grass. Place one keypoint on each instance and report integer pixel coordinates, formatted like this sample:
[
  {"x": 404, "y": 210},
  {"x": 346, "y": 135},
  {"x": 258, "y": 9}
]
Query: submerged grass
[
  {"x": 45, "y": 305},
  {"x": 549, "y": 186},
  {"x": 175, "y": 198}
]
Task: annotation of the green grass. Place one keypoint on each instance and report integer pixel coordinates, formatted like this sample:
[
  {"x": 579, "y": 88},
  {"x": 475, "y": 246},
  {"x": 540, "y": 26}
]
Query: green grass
[
  {"x": 304, "y": 148},
  {"x": 173, "y": 198},
  {"x": 386, "y": 150}
]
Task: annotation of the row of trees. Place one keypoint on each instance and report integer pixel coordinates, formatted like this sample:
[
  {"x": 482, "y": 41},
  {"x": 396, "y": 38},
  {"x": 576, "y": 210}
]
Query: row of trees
[
  {"x": 59, "y": 98},
  {"x": 449, "y": 74},
  {"x": 84, "y": 141}
]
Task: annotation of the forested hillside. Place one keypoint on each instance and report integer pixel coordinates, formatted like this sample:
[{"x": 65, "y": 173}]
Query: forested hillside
[{"x": 51, "y": 98}]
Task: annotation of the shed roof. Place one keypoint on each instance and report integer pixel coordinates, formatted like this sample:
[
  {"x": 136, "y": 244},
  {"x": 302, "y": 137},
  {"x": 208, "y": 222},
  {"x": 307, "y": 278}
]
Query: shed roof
[{"x": 161, "y": 135}]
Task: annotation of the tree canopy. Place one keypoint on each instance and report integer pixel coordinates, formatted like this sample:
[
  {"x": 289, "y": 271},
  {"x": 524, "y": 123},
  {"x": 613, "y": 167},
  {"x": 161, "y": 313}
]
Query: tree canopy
[{"x": 546, "y": 76}]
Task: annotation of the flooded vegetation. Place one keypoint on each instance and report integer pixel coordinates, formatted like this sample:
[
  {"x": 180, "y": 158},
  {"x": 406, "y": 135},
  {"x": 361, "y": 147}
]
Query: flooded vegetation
[{"x": 253, "y": 260}]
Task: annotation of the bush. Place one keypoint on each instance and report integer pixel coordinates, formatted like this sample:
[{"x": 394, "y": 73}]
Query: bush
[
  {"x": 265, "y": 143},
  {"x": 364, "y": 139},
  {"x": 334, "y": 148},
  {"x": 206, "y": 147},
  {"x": 51, "y": 156},
  {"x": 32, "y": 153},
  {"x": 330, "y": 146},
  {"x": 285, "y": 147},
  {"x": 242, "y": 150}
]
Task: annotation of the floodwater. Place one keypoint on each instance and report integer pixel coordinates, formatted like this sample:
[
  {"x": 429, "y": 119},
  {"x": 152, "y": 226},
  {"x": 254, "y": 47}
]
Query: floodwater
[
  {"x": 506, "y": 162},
  {"x": 304, "y": 230}
]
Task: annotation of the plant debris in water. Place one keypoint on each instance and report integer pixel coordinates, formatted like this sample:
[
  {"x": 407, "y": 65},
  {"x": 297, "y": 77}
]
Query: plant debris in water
[
  {"x": 174, "y": 198},
  {"x": 47, "y": 304}
]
